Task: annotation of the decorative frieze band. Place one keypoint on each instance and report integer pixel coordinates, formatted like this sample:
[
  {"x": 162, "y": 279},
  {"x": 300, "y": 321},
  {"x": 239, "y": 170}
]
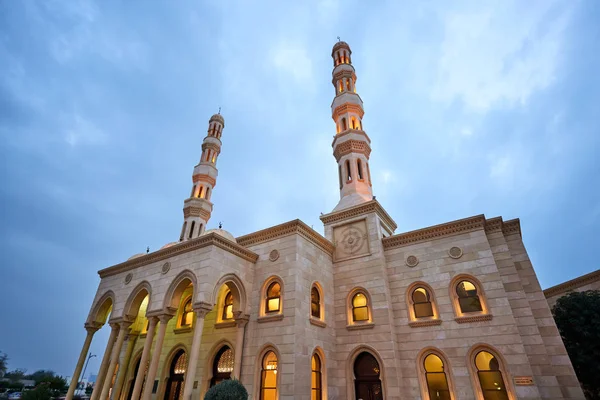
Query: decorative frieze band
[
  {"x": 204, "y": 178},
  {"x": 191, "y": 211},
  {"x": 293, "y": 227},
  {"x": 344, "y": 73},
  {"x": 212, "y": 146},
  {"x": 573, "y": 284},
  {"x": 211, "y": 239},
  {"x": 347, "y": 108},
  {"x": 351, "y": 146},
  {"x": 340, "y": 135},
  {"x": 361, "y": 209}
]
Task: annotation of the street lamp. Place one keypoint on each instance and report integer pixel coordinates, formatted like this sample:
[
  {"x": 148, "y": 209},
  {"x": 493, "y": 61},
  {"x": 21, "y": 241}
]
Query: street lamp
[{"x": 84, "y": 368}]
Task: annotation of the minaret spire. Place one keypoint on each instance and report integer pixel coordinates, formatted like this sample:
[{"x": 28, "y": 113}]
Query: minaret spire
[
  {"x": 197, "y": 208},
  {"x": 351, "y": 145}
]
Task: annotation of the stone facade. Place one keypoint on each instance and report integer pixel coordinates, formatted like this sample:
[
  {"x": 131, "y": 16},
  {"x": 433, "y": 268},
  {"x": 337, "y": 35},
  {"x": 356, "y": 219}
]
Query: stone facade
[
  {"x": 583, "y": 283},
  {"x": 345, "y": 300}
]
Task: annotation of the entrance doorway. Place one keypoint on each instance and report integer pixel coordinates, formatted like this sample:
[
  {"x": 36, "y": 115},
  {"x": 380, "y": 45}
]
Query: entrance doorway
[
  {"x": 367, "y": 385},
  {"x": 176, "y": 376},
  {"x": 222, "y": 366}
]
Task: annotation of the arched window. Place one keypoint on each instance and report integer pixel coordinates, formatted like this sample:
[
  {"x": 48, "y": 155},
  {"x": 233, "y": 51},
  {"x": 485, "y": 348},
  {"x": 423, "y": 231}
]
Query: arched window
[
  {"x": 347, "y": 84},
  {"x": 360, "y": 307},
  {"x": 316, "y": 381},
  {"x": 422, "y": 303},
  {"x": 176, "y": 376},
  {"x": 315, "y": 302},
  {"x": 369, "y": 174},
  {"x": 273, "y": 298},
  {"x": 222, "y": 366},
  {"x": 268, "y": 377},
  {"x": 348, "y": 172},
  {"x": 193, "y": 191},
  {"x": 192, "y": 226},
  {"x": 200, "y": 229},
  {"x": 183, "y": 231},
  {"x": 341, "y": 86},
  {"x": 435, "y": 376},
  {"x": 214, "y": 157},
  {"x": 228, "y": 307},
  {"x": 340, "y": 175},
  {"x": 344, "y": 124},
  {"x": 201, "y": 192},
  {"x": 367, "y": 382},
  {"x": 490, "y": 376},
  {"x": 207, "y": 191},
  {"x": 468, "y": 298},
  {"x": 360, "y": 171},
  {"x": 187, "y": 314}
]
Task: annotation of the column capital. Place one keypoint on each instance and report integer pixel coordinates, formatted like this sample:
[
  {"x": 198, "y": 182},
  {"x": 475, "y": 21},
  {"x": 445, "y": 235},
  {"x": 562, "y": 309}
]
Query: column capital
[
  {"x": 202, "y": 308},
  {"x": 92, "y": 327},
  {"x": 240, "y": 318}
]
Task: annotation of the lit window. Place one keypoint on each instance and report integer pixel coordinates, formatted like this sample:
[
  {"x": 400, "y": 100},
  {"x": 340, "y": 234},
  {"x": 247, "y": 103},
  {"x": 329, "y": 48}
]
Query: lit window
[
  {"x": 316, "y": 384},
  {"x": 222, "y": 366},
  {"x": 360, "y": 309},
  {"x": 435, "y": 375},
  {"x": 228, "y": 307},
  {"x": 273, "y": 299},
  {"x": 468, "y": 298},
  {"x": 490, "y": 376},
  {"x": 187, "y": 315},
  {"x": 422, "y": 303},
  {"x": 315, "y": 303},
  {"x": 268, "y": 377}
]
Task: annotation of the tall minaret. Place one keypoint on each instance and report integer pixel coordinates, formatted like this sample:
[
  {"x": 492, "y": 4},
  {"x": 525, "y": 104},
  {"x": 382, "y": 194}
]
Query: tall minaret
[
  {"x": 351, "y": 144},
  {"x": 197, "y": 208}
]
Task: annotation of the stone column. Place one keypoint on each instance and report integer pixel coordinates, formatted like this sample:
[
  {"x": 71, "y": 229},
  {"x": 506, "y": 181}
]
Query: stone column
[
  {"x": 114, "y": 358},
  {"x": 131, "y": 339},
  {"x": 241, "y": 321},
  {"x": 139, "y": 378},
  {"x": 162, "y": 330},
  {"x": 91, "y": 328},
  {"x": 105, "y": 360},
  {"x": 201, "y": 310}
]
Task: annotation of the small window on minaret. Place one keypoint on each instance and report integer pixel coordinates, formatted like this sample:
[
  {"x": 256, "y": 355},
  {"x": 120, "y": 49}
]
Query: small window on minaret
[
  {"x": 214, "y": 157},
  {"x": 183, "y": 231},
  {"x": 344, "y": 124},
  {"x": 353, "y": 123},
  {"x": 193, "y": 191},
  {"x": 347, "y": 84},
  {"x": 207, "y": 189},
  {"x": 360, "y": 171},
  {"x": 201, "y": 192},
  {"x": 341, "y": 86},
  {"x": 340, "y": 174},
  {"x": 348, "y": 173},
  {"x": 192, "y": 226},
  {"x": 200, "y": 230}
]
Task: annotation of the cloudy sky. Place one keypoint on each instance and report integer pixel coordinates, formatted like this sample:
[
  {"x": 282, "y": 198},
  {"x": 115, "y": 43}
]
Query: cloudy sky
[{"x": 472, "y": 107}]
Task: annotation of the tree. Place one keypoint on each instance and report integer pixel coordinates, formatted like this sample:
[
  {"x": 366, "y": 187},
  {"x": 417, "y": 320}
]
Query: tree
[
  {"x": 230, "y": 389},
  {"x": 42, "y": 375},
  {"x": 577, "y": 317},
  {"x": 41, "y": 392},
  {"x": 16, "y": 375},
  {"x": 3, "y": 363}
]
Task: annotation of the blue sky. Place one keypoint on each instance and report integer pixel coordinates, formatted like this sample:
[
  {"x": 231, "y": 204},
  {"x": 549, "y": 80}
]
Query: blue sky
[{"x": 472, "y": 109}]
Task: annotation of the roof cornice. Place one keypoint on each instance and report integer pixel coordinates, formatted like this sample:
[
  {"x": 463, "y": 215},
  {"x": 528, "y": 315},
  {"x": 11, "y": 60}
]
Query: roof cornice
[
  {"x": 288, "y": 228},
  {"x": 457, "y": 227},
  {"x": 210, "y": 239},
  {"x": 361, "y": 209},
  {"x": 573, "y": 284}
]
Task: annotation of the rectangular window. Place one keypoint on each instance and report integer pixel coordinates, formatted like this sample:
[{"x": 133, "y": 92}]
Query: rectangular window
[{"x": 273, "y": 305}]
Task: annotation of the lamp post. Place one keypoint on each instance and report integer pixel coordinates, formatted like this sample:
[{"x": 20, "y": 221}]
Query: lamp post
[{"x": 85, "y": 367}]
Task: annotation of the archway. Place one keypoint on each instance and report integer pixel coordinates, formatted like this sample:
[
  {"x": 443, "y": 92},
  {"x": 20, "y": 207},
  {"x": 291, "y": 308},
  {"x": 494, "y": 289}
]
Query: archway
[
  {"x": 222, "y": 365},
  {"x": 367, "y": 384},
  {"x": 176, "y": 378}
]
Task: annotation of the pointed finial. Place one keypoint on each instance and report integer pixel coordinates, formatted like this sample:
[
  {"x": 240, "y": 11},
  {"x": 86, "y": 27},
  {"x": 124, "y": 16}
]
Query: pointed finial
[
  {"x": 219, "y": 110},
  {"x": 339, "y": 39},
  {"x": 220, "y": 225}
]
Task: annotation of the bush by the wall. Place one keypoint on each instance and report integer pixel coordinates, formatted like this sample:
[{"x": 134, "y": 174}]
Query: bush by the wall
[{"x": 230, "y": 389}]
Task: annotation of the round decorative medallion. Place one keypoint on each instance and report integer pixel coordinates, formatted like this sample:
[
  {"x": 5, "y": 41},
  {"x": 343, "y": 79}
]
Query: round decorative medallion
[
  {"x": 455, "y": 252},
  {"x": 128, "y": 278},
  {"x": 351, "y": 240},
  {"x": 166, "y": 267},
  {"x": 412, "y": 261},
  {"x": 274, "y": 255}
]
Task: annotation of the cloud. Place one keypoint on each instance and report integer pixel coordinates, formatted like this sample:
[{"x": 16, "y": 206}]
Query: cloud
[
  {"x": 490, "y": 57},
  {"x": 83, "y": 132},
  {"x": 293, "y": 60}
]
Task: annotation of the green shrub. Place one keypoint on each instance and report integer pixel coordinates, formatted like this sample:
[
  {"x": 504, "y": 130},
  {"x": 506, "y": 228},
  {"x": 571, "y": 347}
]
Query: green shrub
[
  {"x": 230, "y": 389},
  {"x": 41, "y": 392}
]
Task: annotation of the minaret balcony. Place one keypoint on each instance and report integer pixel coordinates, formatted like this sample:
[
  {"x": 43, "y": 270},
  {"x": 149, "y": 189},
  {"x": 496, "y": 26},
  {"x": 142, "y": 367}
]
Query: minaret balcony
[{"x": 213, "y": 140}]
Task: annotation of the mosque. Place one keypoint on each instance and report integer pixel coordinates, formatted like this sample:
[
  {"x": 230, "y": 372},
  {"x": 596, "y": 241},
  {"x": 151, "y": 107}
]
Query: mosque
[{"x": 448, "y": 312}]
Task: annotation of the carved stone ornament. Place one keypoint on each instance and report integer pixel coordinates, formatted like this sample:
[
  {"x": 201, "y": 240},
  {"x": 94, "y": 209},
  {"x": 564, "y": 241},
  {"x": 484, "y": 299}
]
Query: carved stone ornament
[
  {"x": 351, "y": 240},
  {"x": 455, "y": 252},
  {"x": 128, "y": 278},
  {"x": 412, "y": 261},
  {"x": 274, "y": 255},
  {"x": 165, "y": 268}
]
